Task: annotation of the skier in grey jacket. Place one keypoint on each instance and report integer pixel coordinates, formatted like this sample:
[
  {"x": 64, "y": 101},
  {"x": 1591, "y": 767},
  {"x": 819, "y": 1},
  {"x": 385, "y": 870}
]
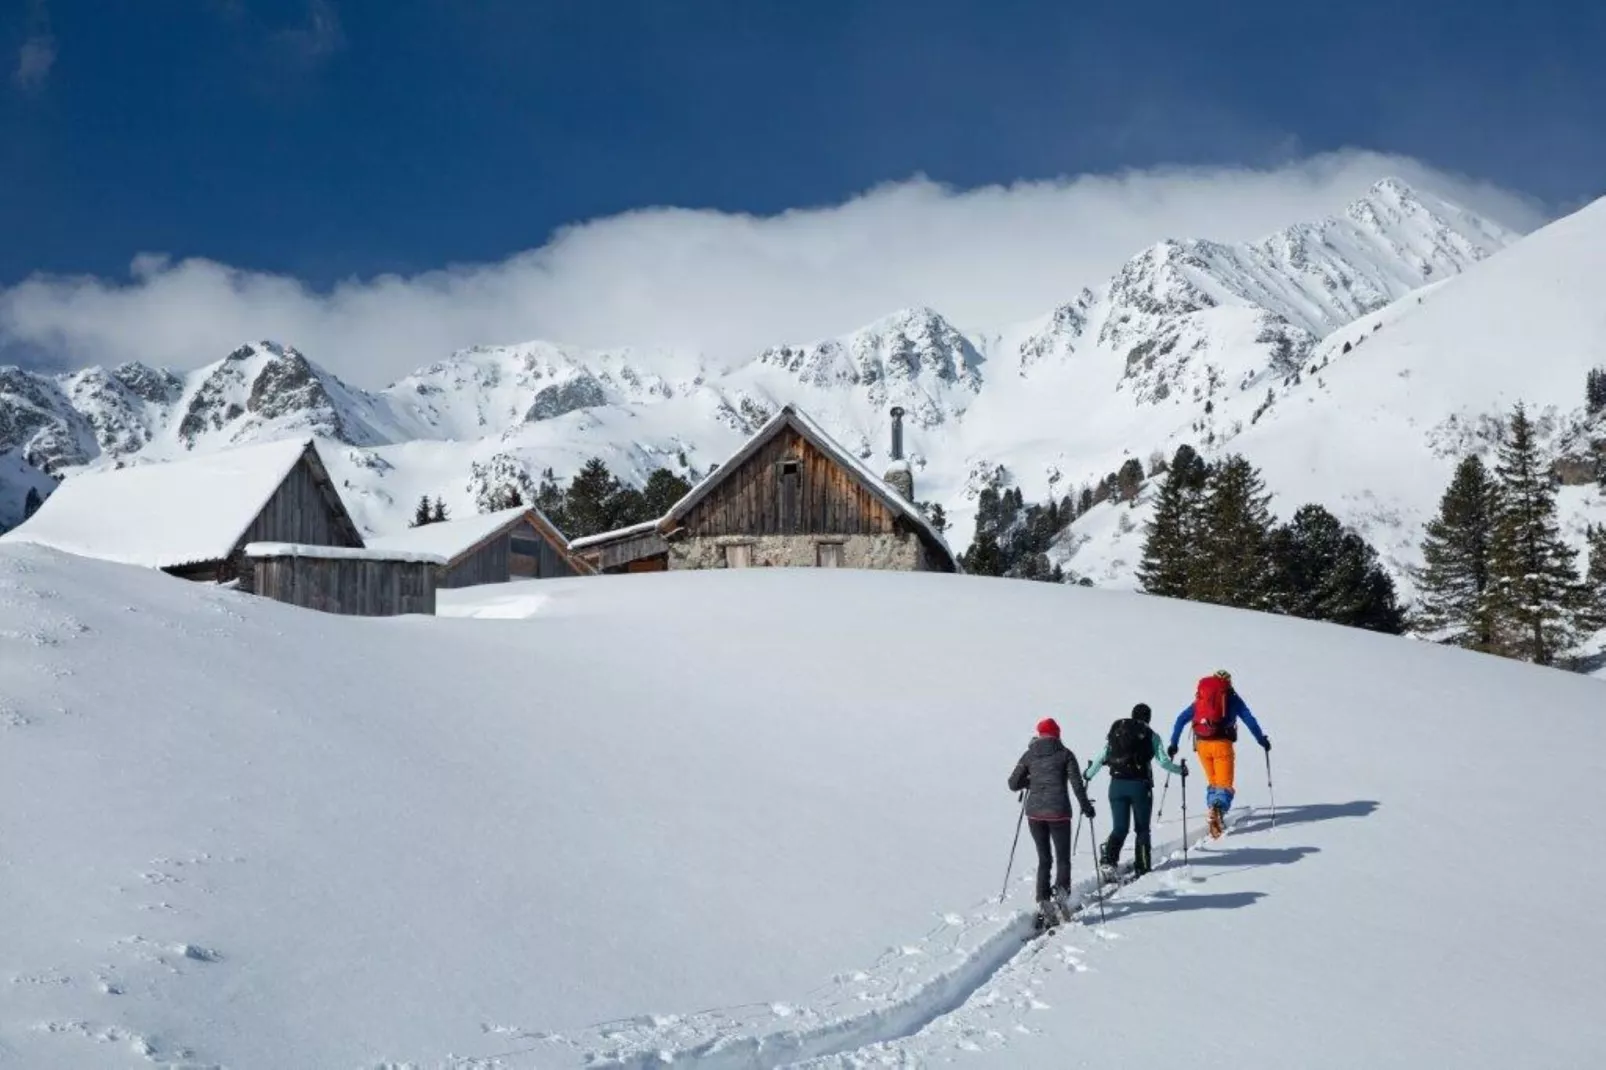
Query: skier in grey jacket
[{"x": 1044, "y": 771}]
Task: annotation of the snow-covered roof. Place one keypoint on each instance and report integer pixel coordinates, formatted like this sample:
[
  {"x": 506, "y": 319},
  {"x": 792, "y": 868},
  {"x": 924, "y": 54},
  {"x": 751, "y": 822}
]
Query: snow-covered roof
[
  {"x": 451, "y": 538},
  {"x": 340, "y": 553},
  {"x": 163, "y": 515},
  {"x": 805, "y": 426},
  {"x": 618, "y": 533}
]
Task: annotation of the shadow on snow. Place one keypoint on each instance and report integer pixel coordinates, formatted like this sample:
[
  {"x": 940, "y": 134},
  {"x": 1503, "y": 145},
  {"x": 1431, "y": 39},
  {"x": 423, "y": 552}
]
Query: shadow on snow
[{"x": 1261, "y": 820}]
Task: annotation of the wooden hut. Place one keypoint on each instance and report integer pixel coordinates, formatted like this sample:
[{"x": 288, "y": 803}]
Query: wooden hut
[
  {"x": 337, "y": 579},
  {"x": 790, "y": 497},
  {"x": 193, "y": 518},
  {"x": 518, "y": 543}
]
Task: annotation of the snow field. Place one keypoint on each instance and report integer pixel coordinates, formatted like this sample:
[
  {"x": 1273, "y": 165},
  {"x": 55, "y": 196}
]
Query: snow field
[{"x": 688, "y": 811}]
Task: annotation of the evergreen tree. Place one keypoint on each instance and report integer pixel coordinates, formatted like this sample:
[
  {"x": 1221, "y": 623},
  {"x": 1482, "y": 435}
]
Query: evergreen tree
[
  {"x": 984, "y": 558},
  {"x": 439, "y": 514},
  {"x": 31, "y": 502},
  {"x": 1595, "y": 391},
  {"x": 1534, "y": 595},
  {"x": 587, "y": 503},
  {"x": 1084, "y": 501},
  {"x": 1324, "y": 572},
  {"x": 1595, "y": 581},
  {"x": 1129, "y": 479},
  {"x": 663, "y": 489},
  {"x": 422, "y": 514},
  {"x": 1230, "y": 563},
  {"x": 550, "y": 499},
  {"x": 935, "y": 515},
  {"x": 1164, "y": 569},
  {"x": 1454, "y": 577}
]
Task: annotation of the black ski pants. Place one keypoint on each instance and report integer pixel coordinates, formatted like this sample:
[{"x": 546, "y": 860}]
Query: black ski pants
[
  {"x": 1055, "y": 835},
  {"x": 1131, "y": 804}
]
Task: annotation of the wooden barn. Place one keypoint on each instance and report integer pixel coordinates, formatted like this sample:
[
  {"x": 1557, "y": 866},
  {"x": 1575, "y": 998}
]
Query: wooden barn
[
  {"x": 790, "y": 497},
  {"x": 338, "y": 579},
  {"x": 193, "y": 518},
  {"x": 519, "y": 543}
]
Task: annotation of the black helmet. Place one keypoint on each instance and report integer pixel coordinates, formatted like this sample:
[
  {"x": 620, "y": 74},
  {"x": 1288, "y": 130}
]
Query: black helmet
[{"x": 1142, "y": 712}]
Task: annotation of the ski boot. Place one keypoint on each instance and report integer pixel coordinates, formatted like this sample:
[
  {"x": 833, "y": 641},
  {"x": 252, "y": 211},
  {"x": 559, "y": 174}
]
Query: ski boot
[{"x": 1216, "y": 822}]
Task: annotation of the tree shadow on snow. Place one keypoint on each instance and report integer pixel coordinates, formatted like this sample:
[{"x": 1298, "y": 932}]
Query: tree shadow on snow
[
  {"x": 1261, "y": 820},
  {"x": 1165, "y": 902}
]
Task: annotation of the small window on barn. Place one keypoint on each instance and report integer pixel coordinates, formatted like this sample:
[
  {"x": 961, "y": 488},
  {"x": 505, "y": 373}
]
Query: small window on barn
[
  {"x": 789, "y": 467},
  {"x": 739, "y": 556},
  {"x": 830, "y": 555}
]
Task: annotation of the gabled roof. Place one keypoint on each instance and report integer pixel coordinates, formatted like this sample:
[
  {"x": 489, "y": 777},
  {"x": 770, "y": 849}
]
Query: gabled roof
[
  {"x": 601, "y": 537},
  {"x": 454, "y": 540},
  {"x": 167, "y": 515},
  {"x": 791, "y": 417}
]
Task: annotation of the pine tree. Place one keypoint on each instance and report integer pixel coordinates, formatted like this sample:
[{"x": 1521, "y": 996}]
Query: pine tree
[
  {"x": 422, "y": 514},
  {"x": 662, "y": 490},
  {"x": 984, "y": 558},
  {"x": 439, "y": 515},
  {"x": 1594, "y": 618},
  {"x": 587, "y": 502},
  {"x": 1454, "y": 577},
  {"x": 1325, "y": 572},
  {"x": 31, "y": 502},
  {"x": 1164, "y": 569},
  {"x": 1129, "y": 479},
  {"x": 1534, "y": 597},
  {"x": 1595, "y": 391},
  {"x": 1231, "y": 566},
  {"x": 550, "y": 499}
]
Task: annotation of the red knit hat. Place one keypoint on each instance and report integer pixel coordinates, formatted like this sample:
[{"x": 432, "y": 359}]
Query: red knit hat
[{"x": 1048, "y": 727}]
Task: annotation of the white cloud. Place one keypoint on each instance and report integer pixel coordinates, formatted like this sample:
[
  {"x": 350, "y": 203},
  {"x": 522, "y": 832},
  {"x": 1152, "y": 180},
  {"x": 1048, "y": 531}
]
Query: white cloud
[
  {"x": 726, "y": 284},
  {"x": 34, "y": 60}
]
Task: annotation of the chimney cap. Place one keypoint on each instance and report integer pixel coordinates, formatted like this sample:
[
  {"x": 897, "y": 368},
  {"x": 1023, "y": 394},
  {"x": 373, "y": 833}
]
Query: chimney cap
[{"x": 897, "y": 410}]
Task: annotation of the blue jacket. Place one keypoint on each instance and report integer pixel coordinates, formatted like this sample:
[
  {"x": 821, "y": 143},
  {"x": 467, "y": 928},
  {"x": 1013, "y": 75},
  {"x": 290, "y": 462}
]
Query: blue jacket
[
  {"x": 1236, "y": 709},
  {"x": 1159, "y": 755}
]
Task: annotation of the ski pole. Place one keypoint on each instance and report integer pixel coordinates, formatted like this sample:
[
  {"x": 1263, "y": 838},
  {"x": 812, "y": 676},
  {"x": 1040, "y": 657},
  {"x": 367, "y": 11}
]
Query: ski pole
[
  {"x": 1098, "y": 874},
  {"x": 1184, "y": 816},
  {"x": 1271, "y": 790},
  {"x": 1018, "y": 822},
  {"x": 1161, "y": 812}
]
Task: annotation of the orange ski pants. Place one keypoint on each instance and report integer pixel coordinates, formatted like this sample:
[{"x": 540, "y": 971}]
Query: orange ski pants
[{"x": 1216, "y": 756}]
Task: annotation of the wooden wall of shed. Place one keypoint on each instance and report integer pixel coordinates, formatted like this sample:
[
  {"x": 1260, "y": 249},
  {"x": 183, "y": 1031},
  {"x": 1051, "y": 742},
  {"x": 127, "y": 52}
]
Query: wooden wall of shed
[
  {"x": 299, "y": 512},
  {"x": 823, "y": 498},
  {"x": 351, "y": 586},
  {"x": 491, "y": 563},
  {"x": 617, "y": 555},
  {"x": 534, "y": 556}
]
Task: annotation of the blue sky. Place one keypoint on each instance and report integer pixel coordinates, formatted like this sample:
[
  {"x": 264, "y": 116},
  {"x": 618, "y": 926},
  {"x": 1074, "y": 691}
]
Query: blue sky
[{"x": 326, "y": 140}]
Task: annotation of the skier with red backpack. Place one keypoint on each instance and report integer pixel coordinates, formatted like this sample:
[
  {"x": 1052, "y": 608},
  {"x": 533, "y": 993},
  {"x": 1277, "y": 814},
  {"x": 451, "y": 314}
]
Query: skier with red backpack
[{"x": 1216, "y": 710}]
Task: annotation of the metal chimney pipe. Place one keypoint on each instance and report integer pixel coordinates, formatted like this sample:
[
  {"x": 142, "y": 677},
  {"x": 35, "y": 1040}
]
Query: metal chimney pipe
[{"x": 897, "y": 433}]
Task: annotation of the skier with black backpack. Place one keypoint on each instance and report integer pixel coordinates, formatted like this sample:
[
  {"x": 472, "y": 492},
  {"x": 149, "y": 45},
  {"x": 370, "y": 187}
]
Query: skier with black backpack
[
  {"x": 1129, "y": 750},
  {"x": 1045, "y": 772},
  {"x": 1216, "y": 710}
]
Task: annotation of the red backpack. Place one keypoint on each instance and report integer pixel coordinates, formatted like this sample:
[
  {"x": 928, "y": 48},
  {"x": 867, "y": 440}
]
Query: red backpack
[{"x": 1210, "y": 708}]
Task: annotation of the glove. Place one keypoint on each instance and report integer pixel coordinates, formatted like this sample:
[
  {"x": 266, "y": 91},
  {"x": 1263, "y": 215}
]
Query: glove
[
  {"x": 1171, "y": 751},
  {"x": 1266, "y": 743},
  {"x": 1184, "y": 765},
  {"x": 1088, "y": 812}
]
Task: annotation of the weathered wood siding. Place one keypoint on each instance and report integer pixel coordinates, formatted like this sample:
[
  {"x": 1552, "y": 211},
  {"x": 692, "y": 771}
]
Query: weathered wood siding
[
  {"x": 491, "y": 563},
  {"x": 622, "y": 553},
  {"x": 817, "y": 497},
  {"x": 534, "y": 556},
  {"x": 300, "y": 511},
  {"x": 354, "y": 587}
]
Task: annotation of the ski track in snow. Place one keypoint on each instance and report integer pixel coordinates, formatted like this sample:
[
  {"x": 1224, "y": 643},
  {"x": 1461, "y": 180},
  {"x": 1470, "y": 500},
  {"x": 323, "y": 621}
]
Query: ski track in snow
[{"x": 858, "y": 1019}]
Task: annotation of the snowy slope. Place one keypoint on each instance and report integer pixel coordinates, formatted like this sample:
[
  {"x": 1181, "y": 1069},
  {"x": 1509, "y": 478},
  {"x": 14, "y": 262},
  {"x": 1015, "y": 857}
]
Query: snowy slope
[
  {"x": 1183, "y": 343},
  {"x": 243, "y": 835},
  {"x": 1382, "y": 410}
]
